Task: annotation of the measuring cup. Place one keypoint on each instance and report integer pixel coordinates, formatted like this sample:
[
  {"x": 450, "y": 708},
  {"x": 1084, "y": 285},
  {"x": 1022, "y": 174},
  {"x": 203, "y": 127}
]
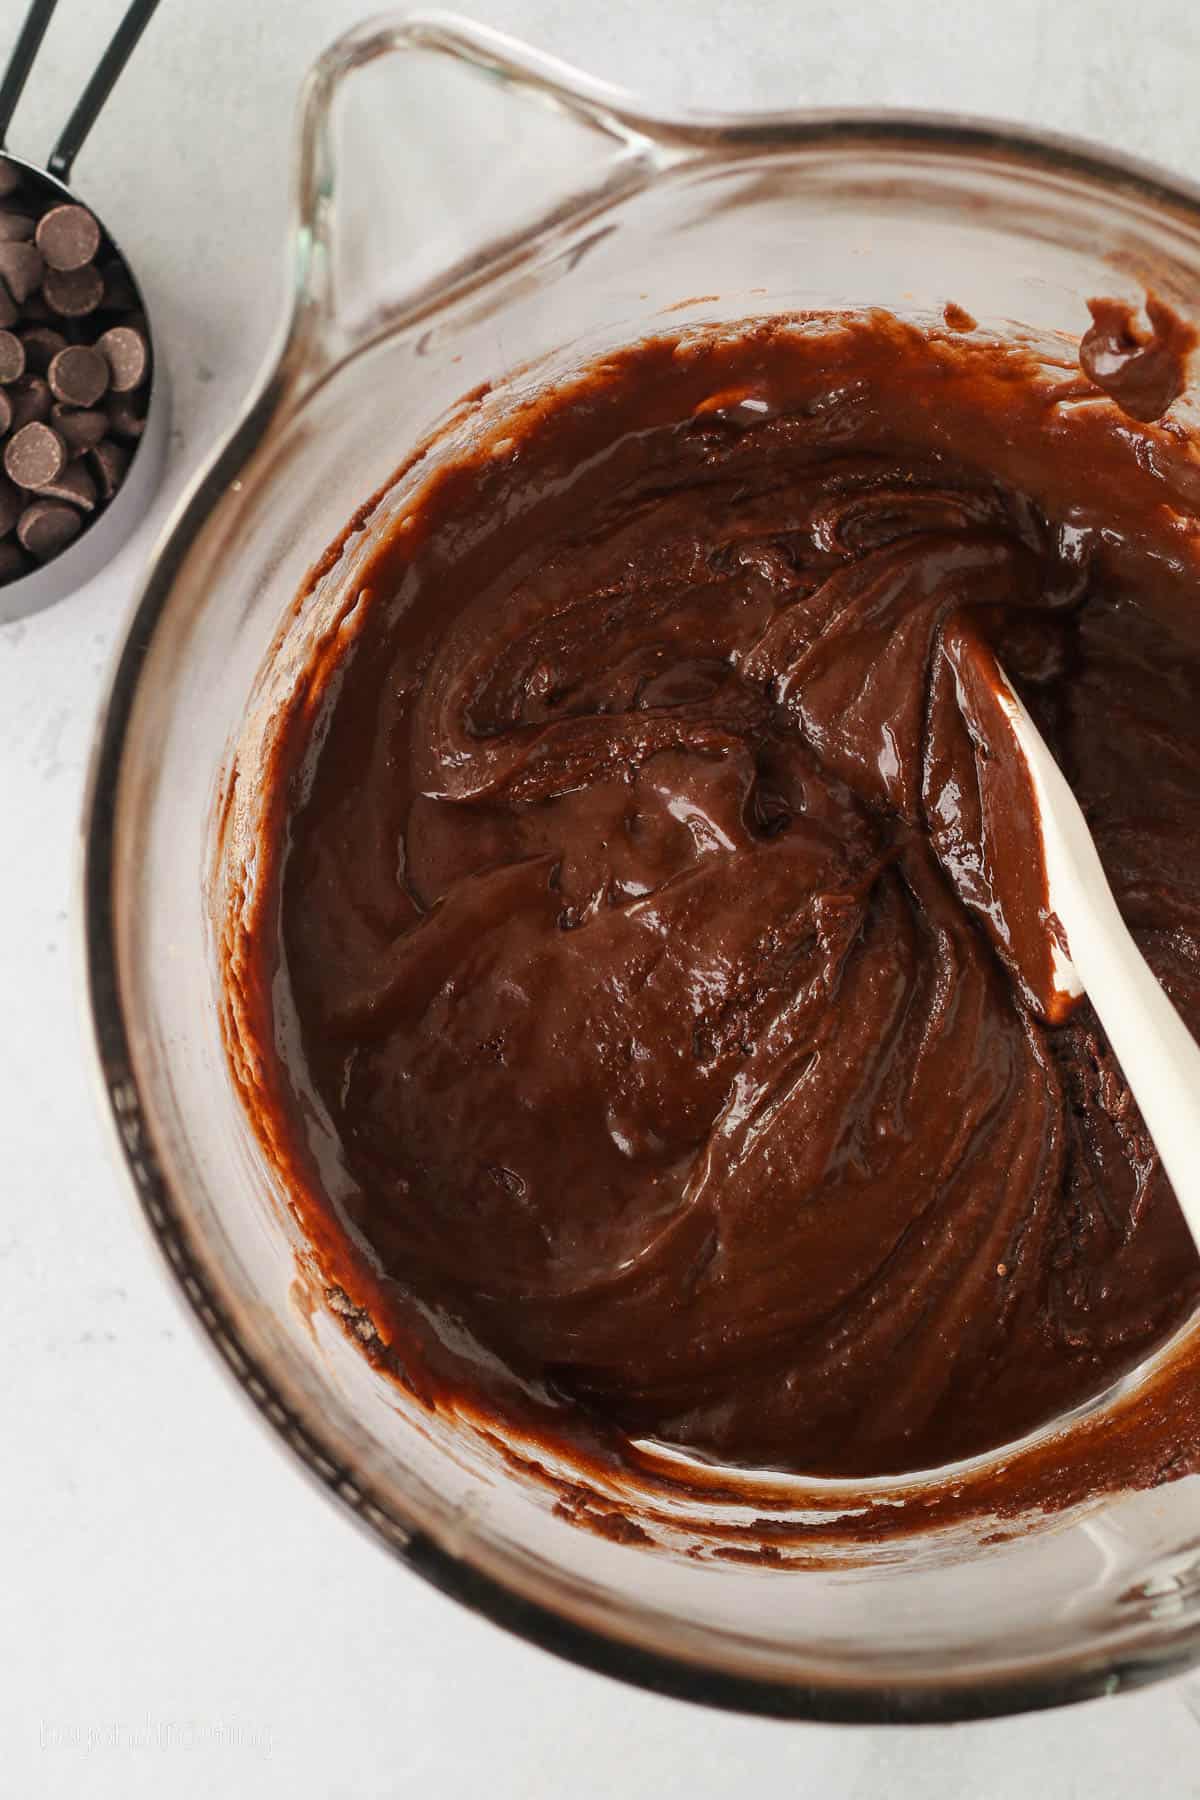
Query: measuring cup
[
  {"x": 468, "y": 213},
  {"x": 103, "y": 534}
]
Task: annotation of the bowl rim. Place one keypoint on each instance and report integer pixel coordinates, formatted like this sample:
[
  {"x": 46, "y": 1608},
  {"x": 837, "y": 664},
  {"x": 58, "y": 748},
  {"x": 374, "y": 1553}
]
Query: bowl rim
[{"x": 1059, "y": 1681}]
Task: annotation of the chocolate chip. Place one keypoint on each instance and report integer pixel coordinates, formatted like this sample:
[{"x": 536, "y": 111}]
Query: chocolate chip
[
  {"x": 12, "y": 357},
  {"x": 68, "y": 237},
  {"x": 13, "y": 561},
  {"x": 30, "y": 398},
  {"x": 47, "y": 526},
  {"x": 75, "y": 369},
  {"x": 124, "y": 417},
  {"x": 79, "y": 430},
  {"x": 11, "y": 502},
  {"x": 33, "y": 456},
  {"x": 78, "y": 375},
  {"x": 42, "y": 343},
  {"x": 22, "y": 268},
  {"x": 72, "y": 293},
  {"x": 74, "y": 485},
  {"x": 120, "y": 295},
  {"x": 110, "y": 462},
  {"x": 127, "y": 355}
]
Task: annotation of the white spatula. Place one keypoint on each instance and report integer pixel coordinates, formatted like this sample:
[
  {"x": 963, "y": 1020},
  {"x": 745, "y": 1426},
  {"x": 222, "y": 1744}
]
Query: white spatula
[{"x": 1159, "y": 1056}]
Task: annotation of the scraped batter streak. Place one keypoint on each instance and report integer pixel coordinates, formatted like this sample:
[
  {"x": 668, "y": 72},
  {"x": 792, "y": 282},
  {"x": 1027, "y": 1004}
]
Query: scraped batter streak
[{"x": 657, "y": 939}]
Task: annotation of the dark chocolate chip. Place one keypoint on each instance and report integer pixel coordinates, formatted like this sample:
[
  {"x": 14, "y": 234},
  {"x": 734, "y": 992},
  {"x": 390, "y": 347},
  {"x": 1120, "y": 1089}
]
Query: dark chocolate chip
[
  {"x": 42, "y": 343},
  {"x": 30, "y": 398},
  {"x": 47, "y": 526},
  {"x": 110, "y": 462},
  {"x": 79, "y": 430},
  {"x": 124, "y": 416},
  {"x": 13, "y": 562},
  {"x": 127, "y": 355},
  {"x": 22, "y": 268},
  {"x": 74, "y": 485},
  {"x": 68, "y": 237},
  {"x": 11, "y": 502},
  {"x": 78, "y": 376},
  {"x": 120, "y": 295},
  {"x": 12, "y": 357},
  {"x": 34, "y": 455},
  {"x": 75, "y": 365},
  {"x": 72, "y": 293}
]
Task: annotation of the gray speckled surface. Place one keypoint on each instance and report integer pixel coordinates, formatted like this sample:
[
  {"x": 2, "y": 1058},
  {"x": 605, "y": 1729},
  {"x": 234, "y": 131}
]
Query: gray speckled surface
[{"x": 157, "y": 1635}]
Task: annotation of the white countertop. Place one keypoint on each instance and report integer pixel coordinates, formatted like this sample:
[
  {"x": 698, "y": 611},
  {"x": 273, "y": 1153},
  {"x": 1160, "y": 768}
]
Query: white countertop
[{"x": 180, "y": 1613}]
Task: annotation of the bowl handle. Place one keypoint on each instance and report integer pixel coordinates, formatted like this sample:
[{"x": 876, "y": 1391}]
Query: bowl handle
[{"x": 433, "y": 151}]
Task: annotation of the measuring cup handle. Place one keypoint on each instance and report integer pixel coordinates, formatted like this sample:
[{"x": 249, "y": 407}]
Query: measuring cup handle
[
  {"x": 24, "y": 53},
  {"x": 430, "y": 151},
  {"x": 104, "y": 79}
]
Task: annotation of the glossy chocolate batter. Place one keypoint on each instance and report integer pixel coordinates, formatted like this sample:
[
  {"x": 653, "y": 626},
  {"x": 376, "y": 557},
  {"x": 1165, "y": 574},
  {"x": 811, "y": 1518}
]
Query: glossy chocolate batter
[{"x": 655, "y": 942}]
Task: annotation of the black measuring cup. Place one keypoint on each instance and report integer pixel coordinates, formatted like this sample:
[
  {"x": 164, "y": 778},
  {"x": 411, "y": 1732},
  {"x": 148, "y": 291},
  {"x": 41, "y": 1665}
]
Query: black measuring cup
[{"x": 29, "y": 186}]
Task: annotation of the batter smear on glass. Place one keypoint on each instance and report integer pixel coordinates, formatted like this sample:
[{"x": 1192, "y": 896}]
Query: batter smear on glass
[{"x": 628, "y": 935}]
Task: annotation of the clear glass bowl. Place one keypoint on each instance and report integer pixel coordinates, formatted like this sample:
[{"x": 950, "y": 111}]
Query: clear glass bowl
[{"x": 466, "y": 209}]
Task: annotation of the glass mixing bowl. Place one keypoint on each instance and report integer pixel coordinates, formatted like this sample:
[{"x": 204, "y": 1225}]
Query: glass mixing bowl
[{"x": 466, "y": 209}]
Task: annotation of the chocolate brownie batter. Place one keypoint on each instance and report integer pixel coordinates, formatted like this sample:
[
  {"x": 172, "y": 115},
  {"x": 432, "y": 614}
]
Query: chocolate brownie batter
[{"x": 646, "y": 966}]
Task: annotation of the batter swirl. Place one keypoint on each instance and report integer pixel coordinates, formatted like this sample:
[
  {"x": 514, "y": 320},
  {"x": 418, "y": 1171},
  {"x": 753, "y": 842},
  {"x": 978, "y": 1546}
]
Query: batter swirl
[{"x": 650, "y": 957}]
